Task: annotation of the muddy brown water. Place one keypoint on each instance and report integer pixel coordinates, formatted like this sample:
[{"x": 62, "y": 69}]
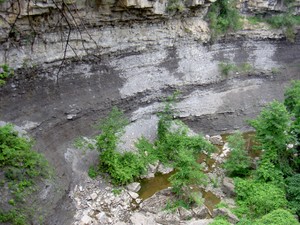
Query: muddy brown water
[{"x": 161, "y": 181}]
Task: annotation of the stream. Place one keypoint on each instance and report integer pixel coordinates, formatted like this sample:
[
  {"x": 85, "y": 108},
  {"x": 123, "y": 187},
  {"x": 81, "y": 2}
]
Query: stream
[{"x": 161, "y": 181}]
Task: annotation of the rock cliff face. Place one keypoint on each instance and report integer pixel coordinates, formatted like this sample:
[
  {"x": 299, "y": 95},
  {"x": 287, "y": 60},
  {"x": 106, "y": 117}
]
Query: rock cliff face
[{"x": 74, "y": 60}]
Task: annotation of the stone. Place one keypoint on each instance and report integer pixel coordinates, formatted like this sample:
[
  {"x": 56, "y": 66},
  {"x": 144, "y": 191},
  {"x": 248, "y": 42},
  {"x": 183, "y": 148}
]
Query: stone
[
  {"x": 86, "y": 220},
  {"x": 228, "y": 187},
  {"x": 184, "y": 213},
  {"x": 198, "y": 222},
  {"x": 163, "y": 169},
  {"x": 166, "y": 218},
  {"x": 140, "y": 219},
  {"x": 216, "y": 140},
  {"x": 200, "y": 212},
  {"x": 133, "y": 195},
  {"x": 93, "y": 196},
  {"x": 135, "y": 187},
  {"x": 226, "y": 212}
]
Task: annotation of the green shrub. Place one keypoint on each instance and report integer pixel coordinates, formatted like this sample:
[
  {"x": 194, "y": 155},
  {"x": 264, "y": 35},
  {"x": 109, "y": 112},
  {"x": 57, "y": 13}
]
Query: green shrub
[
  {"x": 238, "y": 162},
  {"x": 292, "y": 96},
  {"x": 13, "y": 217},
  {"x": 277, "y": 217},
  {"x": 257, "y": 199},
  {"x": 17, "y": 159},
  {"x": 293, "y": 192},
  {"x": 111, "y": 129},
  {"x": 5, "y": 73},
  {"x": 272, "y": 133},
  {"x": 175, "y": 5},
  {"x": 93, "y": 172},
  {"x": 220, "y": 221},
  {"x": 223, "y": 17}
]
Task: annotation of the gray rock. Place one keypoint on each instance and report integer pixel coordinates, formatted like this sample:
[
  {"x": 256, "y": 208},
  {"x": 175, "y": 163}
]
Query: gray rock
[
  {"x": 184, "y": 213},
  {"x": 228, "y": 187},
  {"x": 93, "y": 196},
  {"x": 216, "y": 140},
  {"x": 226, "y": 212},
  {"x": 134, "y": 187},
  {"x": 133, "y": 195},
  {"x": 86, "y": 220},
  {"x": 199, "y": 222},
  {"x": 164, "y": 170},
  {"x": 140, "y": 219},
  {"x": 200, "y": 212},
  {"x": 166, "y": 218}
]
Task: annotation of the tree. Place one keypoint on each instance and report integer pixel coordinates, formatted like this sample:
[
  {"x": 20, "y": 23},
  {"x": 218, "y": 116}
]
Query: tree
[
  {"x": 273, "y": 135},
  {"x": 238, "y": 162}
]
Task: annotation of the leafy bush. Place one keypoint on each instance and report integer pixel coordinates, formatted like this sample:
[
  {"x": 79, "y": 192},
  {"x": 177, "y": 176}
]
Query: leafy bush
[
  {"x": 22, "y": 167},
  {"x": 293, "y": 192},
  {"x": 277, "y": 217},
  {"x": 223, "y": 17},
  {"x": 257, "y": 199},
  {"x": 13, "y": 217},
  {"x": 111, "y": 129},
  {"x": 272, "y": 133},
  {"x": 5, "y": 72},
  {"x": 238, "y": 162},
  {"x": 175, "y": 5},
  {"x": 17, "y": 160},
  {"x": 292, "y": 96},
  {"x": 220, "y": 221}
]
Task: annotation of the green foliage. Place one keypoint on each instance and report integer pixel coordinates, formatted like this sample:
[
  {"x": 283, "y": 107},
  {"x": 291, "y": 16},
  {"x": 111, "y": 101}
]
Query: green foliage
[
  {"x": 223, "y": 17},
  {"x": 122, "y": 168},
  {"x": 19, "y": 163},
  {"x": 5, "y": 72},
  {"x": 272, "y": 133},
  {"x": 116, "y": 191},
  {"x": 175, "y": 5},
  {"x": 227, "y": 68},
  {"x": 22, "y": 167},
  {"x": 285, "y": 21},
  {"x": 292, "y": 96},
  {"x": 238, "y": 162},
  {"x": 256, "y": 199},
  {"x": 93, "y": 172},
  {"x": 293, "y": 192},
  {"x": 111, "y": 129},
  {"x": 220, "y": 221},
  {"x": 277, "y": 217},
  {"x": 13, "y": 217},
  {"x": 172, "y": 206}
]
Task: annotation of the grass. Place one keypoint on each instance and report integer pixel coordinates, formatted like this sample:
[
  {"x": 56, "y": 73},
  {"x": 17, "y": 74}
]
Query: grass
[{"x": 227, "y": 68}]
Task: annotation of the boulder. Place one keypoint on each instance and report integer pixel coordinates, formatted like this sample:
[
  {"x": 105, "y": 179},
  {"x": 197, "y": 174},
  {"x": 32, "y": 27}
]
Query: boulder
[
  {"x": 228, "y": 187},
  {"x": 86, "y": 220},
  {"x": 184, "y": 213},
  {"x": 133, "y": 195},
  {"x": 198, "y": 222},
  {"x": 134, "y": 187},
  {"x": 200, "y": 212},
  {"x": 167, "y": 218},
  {"x": 226, "y": 213},
  {"x": 140, "y": 219},
  {"x": 164, "y": 170},
  {"x": 216, "y": 140}
]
